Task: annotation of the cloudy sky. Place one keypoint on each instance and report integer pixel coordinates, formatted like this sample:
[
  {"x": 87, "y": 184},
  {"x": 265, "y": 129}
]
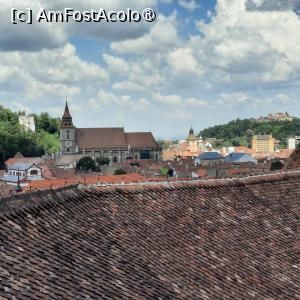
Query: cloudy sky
[{"x": 203, "y": 62}]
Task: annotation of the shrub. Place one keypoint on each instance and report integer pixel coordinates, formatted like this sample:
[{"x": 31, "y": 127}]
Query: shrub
[
  {"x": 86, "y": 164},
  {"x": 120, "y": 172},
  {"x": 103, "y": 161},
  {"x": 276, "y": 166}
]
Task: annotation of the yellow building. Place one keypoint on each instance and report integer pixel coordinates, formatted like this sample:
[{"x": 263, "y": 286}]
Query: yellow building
[
  {"x": 193, "y": 142},
  {"x": 263, "y": 143}
]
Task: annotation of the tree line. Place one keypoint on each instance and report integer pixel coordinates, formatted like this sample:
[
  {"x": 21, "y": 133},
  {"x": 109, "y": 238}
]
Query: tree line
[
  {"x": 240, "y": 132},
  {"x": 13, "y": 137}
]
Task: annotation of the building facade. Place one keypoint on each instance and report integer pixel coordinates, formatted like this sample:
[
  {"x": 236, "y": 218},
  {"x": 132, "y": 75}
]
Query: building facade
[
  {"x": 263, "y": 143},
  {"x": 22, "y": 172},
  {"x": 293, "y": 143},
  {"x": 113, "y": 143},
  {"x": 27, "y": 122}
]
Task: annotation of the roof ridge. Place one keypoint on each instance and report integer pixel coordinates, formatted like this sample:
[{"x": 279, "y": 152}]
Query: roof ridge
[{"x": 62, "y": 195}]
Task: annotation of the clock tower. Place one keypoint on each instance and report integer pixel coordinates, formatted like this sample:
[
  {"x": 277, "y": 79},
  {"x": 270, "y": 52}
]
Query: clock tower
[{"x": 67, "y": 132}]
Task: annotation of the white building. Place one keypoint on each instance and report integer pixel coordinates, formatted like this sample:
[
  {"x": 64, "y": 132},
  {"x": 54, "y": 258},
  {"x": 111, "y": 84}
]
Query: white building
[
  {"x": 293, "y": 143},
  {"x": 22, "y": 172},
  {"x": 27, "y": 122}
]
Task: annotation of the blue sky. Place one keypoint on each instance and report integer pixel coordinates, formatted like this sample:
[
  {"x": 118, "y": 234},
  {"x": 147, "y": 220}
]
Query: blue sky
[{"x": 200, "y": 63}]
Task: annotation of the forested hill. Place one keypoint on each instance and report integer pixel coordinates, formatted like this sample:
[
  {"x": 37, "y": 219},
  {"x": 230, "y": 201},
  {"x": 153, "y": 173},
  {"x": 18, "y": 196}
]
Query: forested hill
[
  {"x": 13, "y": 137},
  {"x": 239, "y": 132}
]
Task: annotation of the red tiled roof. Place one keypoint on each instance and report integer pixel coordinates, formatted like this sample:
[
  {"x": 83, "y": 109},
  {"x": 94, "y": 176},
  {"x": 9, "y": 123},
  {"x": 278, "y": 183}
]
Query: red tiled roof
[
  {"x": 101, "y": 138},
  {"x": 235, "y": 239},
  {"x": 88, "y": 180},
  {"x": 25, "y": 160}
]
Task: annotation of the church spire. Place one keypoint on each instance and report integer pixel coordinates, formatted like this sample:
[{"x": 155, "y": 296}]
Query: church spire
[{"x": 67, "y": 118}]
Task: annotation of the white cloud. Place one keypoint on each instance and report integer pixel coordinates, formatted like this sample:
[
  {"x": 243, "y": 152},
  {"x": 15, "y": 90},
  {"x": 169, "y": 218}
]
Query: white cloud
[
  {"x": 182, "y": 61},
  {"x": 190, "y": 5},
  {"x": 162, "y": 36},
  {"x": 249, "y": 47},
  {"x": 178, "y": 100}
]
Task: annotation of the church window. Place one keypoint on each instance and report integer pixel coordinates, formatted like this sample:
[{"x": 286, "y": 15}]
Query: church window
[{"x": 145, "y": 154}]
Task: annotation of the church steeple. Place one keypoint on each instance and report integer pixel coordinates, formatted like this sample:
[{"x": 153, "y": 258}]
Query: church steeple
[
  {"x": 67, "y": 118},
  {"x": 67, "y": 132},
  {"x": 191, "y": 135}
]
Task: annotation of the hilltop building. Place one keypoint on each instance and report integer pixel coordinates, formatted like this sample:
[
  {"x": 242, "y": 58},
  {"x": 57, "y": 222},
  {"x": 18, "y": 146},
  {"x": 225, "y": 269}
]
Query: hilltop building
[
  {"x": 274, "y": 117},
  {"x": 263, "y": 143},
  {"x": 27, "y": 122},
  {"x": 113, "y": 143}
]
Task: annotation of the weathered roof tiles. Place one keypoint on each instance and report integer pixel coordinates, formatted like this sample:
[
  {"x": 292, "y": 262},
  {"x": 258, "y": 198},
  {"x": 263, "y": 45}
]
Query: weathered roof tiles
[{"x": 235, "y": 239}]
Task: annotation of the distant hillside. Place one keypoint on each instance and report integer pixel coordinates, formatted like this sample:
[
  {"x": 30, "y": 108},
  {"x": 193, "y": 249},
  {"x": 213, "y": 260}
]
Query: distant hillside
[
  {"x": 13, "y": 137},
  {"x": 239, "y": 132}
]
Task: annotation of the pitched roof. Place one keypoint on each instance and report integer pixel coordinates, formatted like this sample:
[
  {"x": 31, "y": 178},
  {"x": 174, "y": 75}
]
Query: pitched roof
[
  {"x": 18, "y": 155},
  {"x": 141, "y": 140},
  {"x": 24, "y": 160},
  {"x": 239, "y": 157},
  {"x": 21, "y": 166},
  {"x": 101, "y": 138},
  {"x": 212, "y": 240},
  {"x": 210, "y": 155},
  {"x": 67, "y": 114}
]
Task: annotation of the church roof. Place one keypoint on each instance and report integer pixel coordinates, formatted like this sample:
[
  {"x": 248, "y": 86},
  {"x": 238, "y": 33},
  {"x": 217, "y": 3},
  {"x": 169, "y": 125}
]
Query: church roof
[
  {"x": 113, "y": 138},
  {"x": 101, "y": 138},
  {"x": 141, "y": 140},
  {"x": 235, "y": 239}
]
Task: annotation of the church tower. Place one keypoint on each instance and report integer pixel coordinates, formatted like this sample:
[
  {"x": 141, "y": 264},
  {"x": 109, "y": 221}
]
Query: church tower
[{"x": 67, "y": 132}]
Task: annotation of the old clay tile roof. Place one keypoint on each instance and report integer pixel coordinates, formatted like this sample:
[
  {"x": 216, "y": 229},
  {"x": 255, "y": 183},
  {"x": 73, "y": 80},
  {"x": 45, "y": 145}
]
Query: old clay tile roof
[
  {"x": 86, "y": 180},
  {"x": 229, "y": 239},
  {"x": 294, "y": 161},
  {"x": 101, "y": 138},
  {"x": 141, "y": 140}
]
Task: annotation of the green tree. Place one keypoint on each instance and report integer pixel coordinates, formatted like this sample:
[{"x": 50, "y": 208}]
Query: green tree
[
  {"x": 102, "y": 161},
  {"x": 276, "y": 166},
  {"x": 13, "y": 137},
  {"x": 86, "y": 164}
]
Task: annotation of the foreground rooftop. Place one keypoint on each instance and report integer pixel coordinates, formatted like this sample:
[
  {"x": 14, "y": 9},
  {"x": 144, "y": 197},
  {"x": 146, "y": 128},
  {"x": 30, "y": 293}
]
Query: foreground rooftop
[{"x": 226, "y": 239}]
